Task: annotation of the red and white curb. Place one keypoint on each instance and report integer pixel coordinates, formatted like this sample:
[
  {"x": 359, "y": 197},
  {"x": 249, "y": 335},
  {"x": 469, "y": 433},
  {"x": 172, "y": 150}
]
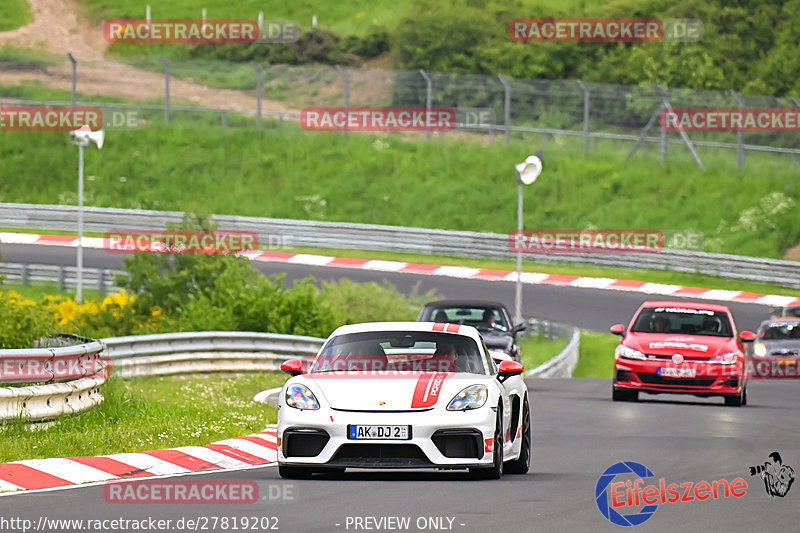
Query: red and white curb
[
  {"x": 238, "y": 453},
  {"x": 530, "y": 278}
]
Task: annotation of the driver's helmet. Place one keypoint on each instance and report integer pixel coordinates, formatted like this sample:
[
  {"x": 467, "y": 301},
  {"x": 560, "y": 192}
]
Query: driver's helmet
[
  {"x": 660, "y": 323},
  {"x": 711, "y": 324}
]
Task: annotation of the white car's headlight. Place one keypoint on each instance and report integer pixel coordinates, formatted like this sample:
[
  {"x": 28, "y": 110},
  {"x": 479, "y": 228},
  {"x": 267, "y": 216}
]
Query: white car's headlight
[
  {"x": 760, "y": 350},
  {"x": 630, "y": 353},
  {"x": 473, "y": 397},
  {"x": 300, "y": 397},
  {"x": 724, "y": 359}
]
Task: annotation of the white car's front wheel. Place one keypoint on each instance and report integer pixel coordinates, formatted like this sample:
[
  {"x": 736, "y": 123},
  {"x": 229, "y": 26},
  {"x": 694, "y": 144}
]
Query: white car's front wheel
[
  {"x": 496, "y": 470},
  {"x": 522, "y": 464}
]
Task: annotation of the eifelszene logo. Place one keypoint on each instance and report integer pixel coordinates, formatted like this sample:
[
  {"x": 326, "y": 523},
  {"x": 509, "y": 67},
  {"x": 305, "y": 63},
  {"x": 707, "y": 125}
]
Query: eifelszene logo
[{"x": 613, "y": 498}]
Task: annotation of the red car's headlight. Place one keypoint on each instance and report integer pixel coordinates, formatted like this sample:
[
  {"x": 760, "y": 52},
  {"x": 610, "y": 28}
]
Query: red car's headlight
[
  {"x": 630, "y": 353},
  {"x": 724, "y": 359}
]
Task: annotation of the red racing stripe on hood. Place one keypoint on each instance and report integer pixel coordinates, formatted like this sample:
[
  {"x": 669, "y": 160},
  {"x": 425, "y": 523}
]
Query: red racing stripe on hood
[{"x": 426, "y": 393}]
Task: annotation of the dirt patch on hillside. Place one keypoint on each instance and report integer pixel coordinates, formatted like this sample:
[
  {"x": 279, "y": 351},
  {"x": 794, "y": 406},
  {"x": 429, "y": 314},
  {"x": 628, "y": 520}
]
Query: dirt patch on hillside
[{"x": 56, "y": 28}]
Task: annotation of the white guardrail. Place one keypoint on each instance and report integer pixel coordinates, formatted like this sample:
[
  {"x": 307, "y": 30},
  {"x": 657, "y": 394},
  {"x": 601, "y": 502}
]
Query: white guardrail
[
  {"x": 316, "y": 234},
  {"x": 75, "y": 362},
  {"x": 166, "y": 354},
  {"x": 205, "y": 351},
  {"x": 66, "y": 277},
  {"x": 564, "y": 363}
]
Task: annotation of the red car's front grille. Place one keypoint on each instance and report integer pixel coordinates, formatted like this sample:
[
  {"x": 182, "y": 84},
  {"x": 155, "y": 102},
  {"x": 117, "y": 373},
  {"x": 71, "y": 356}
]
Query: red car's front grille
[
  {"x": 669, "y": 357},
  {"x": 654, "y": 379}
]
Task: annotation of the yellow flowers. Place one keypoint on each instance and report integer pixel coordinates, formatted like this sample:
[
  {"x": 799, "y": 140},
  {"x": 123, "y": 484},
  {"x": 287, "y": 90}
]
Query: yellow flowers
[
  {"x": 114, "y": 312},
  {"x": 17, "y": 298},
  {"x": 66, "y": 310}
]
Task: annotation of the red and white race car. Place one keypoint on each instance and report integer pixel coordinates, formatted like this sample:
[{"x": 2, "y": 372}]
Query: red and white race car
[
  {"x": 681, "y": 347},
  {"x": 404, "y": 395}
]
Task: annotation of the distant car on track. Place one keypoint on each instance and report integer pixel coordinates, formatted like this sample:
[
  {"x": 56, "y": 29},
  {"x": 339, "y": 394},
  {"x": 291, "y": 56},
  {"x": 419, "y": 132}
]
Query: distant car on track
[
  {"x": 404, "y": 395},
  {"x": 789, "y": 311},
  {"x": 776, "y": 352},
  {"x": 681, "y": 347},
  {"x": 490, "y": 318}
]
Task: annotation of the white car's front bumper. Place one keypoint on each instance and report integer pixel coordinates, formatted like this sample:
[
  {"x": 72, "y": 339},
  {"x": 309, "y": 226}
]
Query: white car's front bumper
[{"x": 465, "y": 436}]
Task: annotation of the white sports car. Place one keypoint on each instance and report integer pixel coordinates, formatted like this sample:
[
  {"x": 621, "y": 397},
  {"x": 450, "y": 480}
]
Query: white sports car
[{"x": 404, "y": 395}]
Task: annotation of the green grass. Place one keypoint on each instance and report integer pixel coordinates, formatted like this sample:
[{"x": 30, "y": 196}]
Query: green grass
[
  {"x": 33, "y": 90},
  {"x": 537, "y": 349},
  {"x": 36, "y": 291},
  {"x": 150, "y": 413},
  {"x": 27, "y": 58},
  {"x": 354, "y": 17},
  {"x": 449, "y": 184},
  {"x": 596, "y": 359},
  {"x": 13, "y": 14}
]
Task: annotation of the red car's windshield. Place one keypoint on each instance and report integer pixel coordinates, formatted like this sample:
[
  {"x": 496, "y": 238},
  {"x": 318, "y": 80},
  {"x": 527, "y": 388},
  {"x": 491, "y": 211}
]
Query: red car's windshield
[{"x": 671, "y": 320}]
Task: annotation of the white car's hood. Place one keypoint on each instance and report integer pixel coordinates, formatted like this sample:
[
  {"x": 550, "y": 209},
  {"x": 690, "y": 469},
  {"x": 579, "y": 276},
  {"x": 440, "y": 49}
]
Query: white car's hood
[{"x": 377, "y": 391}]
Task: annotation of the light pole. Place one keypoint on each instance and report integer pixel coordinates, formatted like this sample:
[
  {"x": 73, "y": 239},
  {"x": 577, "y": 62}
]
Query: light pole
[
  {"x": 527, "y": 172},
  {"x": 82, "y": 138}
]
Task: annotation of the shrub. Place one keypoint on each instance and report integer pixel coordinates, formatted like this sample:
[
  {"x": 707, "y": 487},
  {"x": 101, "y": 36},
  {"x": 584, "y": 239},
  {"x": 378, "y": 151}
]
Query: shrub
[
  {"x": 23, "y": 322},
  {"x": 369, "y": 302}
]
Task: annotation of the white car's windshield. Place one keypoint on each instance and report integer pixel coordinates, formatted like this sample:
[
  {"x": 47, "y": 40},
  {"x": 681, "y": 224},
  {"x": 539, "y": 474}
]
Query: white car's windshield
[{"x": 404, "y": 351}]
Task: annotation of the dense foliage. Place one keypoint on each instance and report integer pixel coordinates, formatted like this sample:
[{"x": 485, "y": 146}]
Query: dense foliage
[{"x": 748, "y": 45}]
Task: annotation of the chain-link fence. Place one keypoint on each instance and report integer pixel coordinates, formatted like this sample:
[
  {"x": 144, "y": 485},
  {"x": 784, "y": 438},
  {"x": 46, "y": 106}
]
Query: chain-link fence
[{"x": 232, "y": 94}]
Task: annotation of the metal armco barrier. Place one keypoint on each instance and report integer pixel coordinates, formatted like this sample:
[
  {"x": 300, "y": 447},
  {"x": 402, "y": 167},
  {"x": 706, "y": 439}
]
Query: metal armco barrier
[
  {"x": 315, "y": 234},
  {"x": 205, "y": 351},
  {"x": 564, "y": 363},
  {"x": 66, "y": 277},
  {"x": 46, "y": 402},
  {"x": 79, "y": 368},
  {"x": 76, "y": 358},
  {"x": 136, "y": 355}
]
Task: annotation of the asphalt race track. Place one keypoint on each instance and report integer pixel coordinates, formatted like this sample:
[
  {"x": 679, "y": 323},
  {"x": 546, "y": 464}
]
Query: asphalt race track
[
  {"x": 593, "y": 309},
  {"x": 578, "y": 433}
]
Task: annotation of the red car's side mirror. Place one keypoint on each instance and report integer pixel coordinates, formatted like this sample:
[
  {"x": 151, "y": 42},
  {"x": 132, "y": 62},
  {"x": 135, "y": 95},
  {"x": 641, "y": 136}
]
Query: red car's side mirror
[
  {"x": 617, "y": 329},
  {"x": 508, "y": 369},
  {"x": 293, "y": 367},
  {"x": 747, "y": 336}
]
